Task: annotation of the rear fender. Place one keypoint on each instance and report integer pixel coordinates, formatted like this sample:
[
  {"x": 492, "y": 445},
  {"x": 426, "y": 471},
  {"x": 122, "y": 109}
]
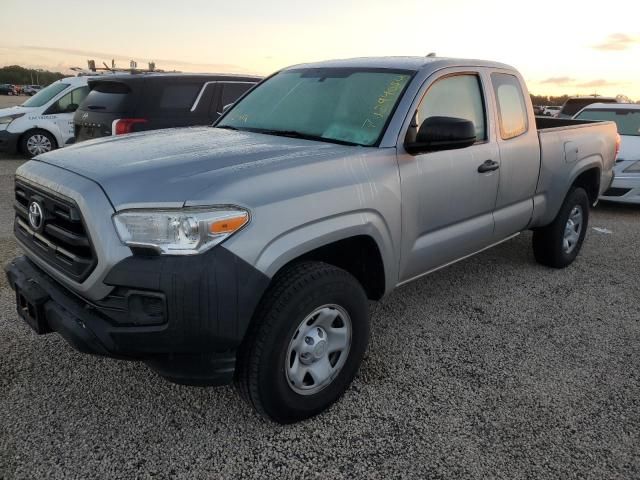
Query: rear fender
[{"x": 548, "y": 202}]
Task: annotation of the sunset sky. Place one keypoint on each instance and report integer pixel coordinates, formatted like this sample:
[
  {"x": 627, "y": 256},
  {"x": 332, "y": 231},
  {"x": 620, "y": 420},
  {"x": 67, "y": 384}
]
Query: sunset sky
[{"x": 560, "y": 46}]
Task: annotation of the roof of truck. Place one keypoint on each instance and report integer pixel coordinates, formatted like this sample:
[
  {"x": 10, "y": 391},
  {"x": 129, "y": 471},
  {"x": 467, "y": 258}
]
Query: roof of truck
[{"x": 400, "y": 63}]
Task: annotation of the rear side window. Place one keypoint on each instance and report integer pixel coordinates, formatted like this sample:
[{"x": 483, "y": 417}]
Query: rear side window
[
  {"x": 179, "y": 97},
  {"x": 232, "y": 91},
  {"x": 108, "y": 97},
  {"x": 512, "y": 110},
  {"x": 457, "y": 96}
]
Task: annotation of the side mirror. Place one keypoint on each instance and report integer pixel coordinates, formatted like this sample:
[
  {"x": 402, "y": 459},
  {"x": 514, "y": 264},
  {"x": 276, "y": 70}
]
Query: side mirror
[{"x": 442, "y": 133}]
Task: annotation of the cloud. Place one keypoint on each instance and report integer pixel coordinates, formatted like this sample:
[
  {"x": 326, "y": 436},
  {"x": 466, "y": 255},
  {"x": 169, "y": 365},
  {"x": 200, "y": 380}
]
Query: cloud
[
  {"x": 559, "y": 80},
  {"x": 618, "y": 42},
  {"x": 123, "y": 61},
  {"x": 597, "y": 83}
]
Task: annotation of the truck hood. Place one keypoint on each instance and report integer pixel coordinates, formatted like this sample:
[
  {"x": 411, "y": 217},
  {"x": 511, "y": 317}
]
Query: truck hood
[{"x": 174, "y": 166}]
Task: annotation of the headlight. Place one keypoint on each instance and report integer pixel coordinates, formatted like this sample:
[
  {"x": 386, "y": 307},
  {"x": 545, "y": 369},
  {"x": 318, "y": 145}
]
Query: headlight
[
  {"x": 633, "y": 168},
  {"x": 10, "y": 118},
  {"x": 185, "y": 231}
]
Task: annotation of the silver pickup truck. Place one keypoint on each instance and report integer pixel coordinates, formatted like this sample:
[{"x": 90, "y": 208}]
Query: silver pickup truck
[{"x": 248, "y": 251}]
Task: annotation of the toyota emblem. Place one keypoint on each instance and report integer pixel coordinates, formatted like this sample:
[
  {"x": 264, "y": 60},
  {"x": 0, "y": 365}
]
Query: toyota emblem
[{"x": 35, "y": 215}]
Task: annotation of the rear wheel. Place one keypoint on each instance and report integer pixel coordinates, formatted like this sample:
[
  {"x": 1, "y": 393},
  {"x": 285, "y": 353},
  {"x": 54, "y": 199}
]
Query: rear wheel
[
  {"x": 307, "y": 342},
  {"x": 558, "y": 244},
  {"x": 37, "y": 142}
]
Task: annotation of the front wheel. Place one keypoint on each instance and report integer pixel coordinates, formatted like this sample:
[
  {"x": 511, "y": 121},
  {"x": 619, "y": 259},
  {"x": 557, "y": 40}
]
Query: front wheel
[
  {"x": 557, "y": 245},
  {"x": 306, "y": 343},
  {"x": 37, "y": 142}
]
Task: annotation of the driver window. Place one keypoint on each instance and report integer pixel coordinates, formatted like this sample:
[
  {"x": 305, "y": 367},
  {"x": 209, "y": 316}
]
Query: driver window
[
  {"x": 456, "y": 96},
  {"x": 71, "y": 101}
]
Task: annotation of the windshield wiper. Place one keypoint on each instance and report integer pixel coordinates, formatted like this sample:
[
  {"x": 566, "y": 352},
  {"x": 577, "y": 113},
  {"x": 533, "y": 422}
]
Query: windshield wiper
[
  {"x": 286, "y": 133},
  {"x": 227, "y": 127},
  {"x": 297, "y": 134}
]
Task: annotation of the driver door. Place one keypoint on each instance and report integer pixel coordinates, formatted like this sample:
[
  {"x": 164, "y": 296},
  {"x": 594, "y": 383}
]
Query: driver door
[{"x": 447, "y": 203}]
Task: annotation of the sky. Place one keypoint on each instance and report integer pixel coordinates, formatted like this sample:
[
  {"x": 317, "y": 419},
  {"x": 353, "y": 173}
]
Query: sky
[{"x": 560, "y": 46}]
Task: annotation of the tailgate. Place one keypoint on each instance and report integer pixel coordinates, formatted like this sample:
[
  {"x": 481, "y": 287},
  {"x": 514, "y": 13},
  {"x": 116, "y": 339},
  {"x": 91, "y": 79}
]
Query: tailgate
[
  {"x": 108, "y": 100},
  {"x": 92, "y": 124}
]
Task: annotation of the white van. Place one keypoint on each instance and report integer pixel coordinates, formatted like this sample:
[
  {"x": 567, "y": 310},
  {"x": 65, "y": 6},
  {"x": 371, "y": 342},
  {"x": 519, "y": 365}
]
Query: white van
[{"x": 45, "y": 121}]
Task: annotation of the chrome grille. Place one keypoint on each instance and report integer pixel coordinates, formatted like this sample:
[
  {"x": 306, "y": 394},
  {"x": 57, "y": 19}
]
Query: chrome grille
[{"x": 60, "y": 239}]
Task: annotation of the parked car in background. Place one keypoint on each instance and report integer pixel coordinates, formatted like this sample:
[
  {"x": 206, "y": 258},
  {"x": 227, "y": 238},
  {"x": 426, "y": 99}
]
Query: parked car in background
[
  {"x": 31, "y": 89},
  {"x": 538, "y": 109},
  {"x": 626, "y": 184},
  {"x": 551, "y": 111},
  {"x": 7, "y": 89},
  {"x": 249, "y": 250},
  {"x": 575, "y": 104},
  {"x": 123, "y": 104},
  {"x": 45, "y": 121}
]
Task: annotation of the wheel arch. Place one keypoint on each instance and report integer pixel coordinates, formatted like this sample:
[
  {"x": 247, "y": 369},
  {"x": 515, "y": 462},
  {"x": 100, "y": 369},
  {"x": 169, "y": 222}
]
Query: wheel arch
[
  {"x": 585, "y": 174},
  {"x": 364, "y": 249},
  {"x": 589, "y": 180}
]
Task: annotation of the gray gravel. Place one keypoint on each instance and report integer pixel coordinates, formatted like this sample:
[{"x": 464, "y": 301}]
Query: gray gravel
[{"x": 495, "y": 367}]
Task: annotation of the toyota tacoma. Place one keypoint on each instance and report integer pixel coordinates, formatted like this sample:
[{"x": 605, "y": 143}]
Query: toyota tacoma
[{"x": 248, "y": 251}]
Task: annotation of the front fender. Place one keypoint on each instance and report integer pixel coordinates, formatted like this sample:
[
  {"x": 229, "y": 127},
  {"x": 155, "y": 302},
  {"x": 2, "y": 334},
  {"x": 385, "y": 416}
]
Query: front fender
[
  {"x": 307, "y": 237},
  {"x": 42, "y": 123}
]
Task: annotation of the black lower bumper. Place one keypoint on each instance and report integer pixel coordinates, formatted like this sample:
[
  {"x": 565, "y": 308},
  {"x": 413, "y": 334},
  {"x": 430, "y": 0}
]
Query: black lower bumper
[
  {"x": 189, "y": 331},
  {"x": 8, "y": 141}
]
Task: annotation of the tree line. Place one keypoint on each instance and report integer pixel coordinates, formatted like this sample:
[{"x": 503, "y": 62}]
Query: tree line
[{"x": 17, "y": 75}]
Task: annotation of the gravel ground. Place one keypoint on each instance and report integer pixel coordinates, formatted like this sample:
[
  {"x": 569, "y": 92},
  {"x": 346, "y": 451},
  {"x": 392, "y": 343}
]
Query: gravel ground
[{"x": 493, "y": 368}]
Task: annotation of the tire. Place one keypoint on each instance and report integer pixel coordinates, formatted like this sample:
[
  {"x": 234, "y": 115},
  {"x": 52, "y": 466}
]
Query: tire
[
  {"x": 286, "y": 339},
  {"x": 36, "y": 142},
  {"x": 557, "y": 245}
]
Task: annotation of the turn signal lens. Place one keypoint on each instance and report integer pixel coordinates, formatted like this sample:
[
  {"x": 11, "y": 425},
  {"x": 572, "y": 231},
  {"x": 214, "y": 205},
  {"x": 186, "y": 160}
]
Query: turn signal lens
[{"x": 228, "y": 225}]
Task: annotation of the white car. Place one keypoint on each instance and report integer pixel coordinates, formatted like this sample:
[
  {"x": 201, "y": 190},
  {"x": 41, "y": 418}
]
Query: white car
[
  {"x": 626, "y": 184},
  {"x": 551, "y": 111},
  {"x": 31, "y": 89},
  {"x": 45, "y": 121}
]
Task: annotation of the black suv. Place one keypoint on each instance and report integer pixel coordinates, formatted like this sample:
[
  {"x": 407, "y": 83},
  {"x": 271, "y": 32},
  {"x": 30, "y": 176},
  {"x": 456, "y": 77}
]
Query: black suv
[{"x": 122, "y": 104}]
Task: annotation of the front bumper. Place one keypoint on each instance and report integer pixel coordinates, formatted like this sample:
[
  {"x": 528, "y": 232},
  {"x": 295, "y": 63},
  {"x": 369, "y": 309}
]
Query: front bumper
[
  {"x": 9, "y": 142},
  {"x": 199, "y": 311}
]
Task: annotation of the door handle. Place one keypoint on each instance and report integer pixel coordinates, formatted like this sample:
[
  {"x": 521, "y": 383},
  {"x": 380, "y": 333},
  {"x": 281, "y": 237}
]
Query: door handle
[{"x": 488, "y": 166}]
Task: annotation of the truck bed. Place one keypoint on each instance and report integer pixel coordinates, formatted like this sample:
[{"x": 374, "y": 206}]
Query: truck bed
[
  {"x": 568, "y": 147},
  {"x": 548, "y": 123}
]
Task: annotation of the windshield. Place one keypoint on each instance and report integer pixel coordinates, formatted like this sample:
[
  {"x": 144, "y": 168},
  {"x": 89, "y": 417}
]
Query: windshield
[
  {"x": 44, "y": 95},
  {"x": 627, "y": 120},
  {"x": 341, "y": 105}
]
